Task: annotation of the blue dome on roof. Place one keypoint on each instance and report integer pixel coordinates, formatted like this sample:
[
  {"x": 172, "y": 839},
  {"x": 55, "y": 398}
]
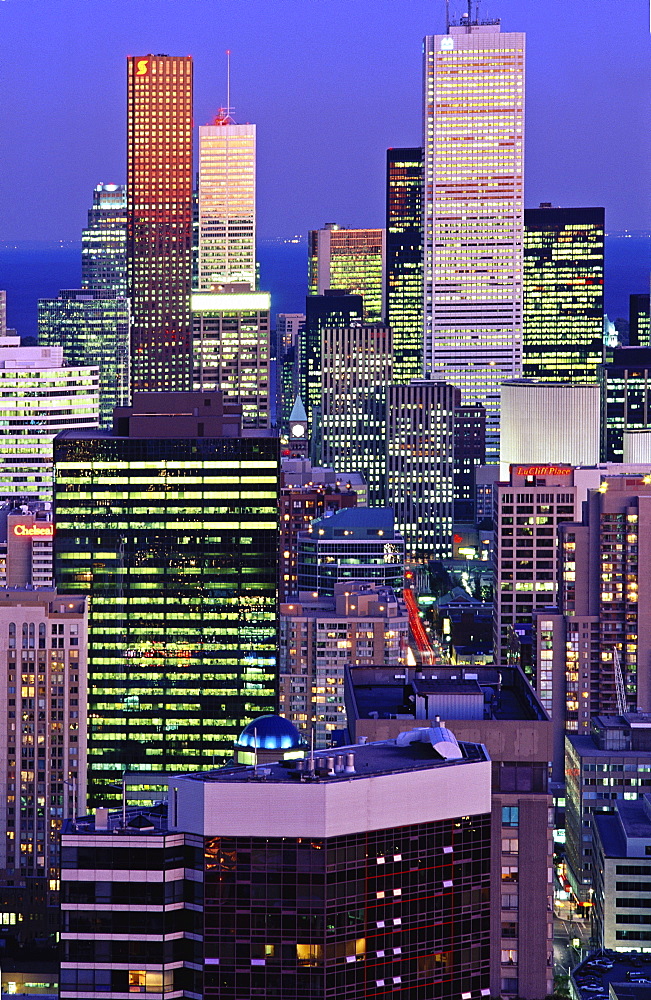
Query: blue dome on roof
[{"x": 272, "y": 732}]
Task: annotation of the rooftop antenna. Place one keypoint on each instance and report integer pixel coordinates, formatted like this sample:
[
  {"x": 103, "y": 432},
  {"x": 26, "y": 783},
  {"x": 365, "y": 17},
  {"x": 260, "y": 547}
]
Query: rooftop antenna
[
  {"x": 469, "y": 12},
  {"x": 447, "y": 16},
  {"x": 228, "y": 81}
]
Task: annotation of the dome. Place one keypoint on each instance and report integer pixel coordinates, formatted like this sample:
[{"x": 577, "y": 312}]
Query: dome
[{"x": 272, "y": 732}]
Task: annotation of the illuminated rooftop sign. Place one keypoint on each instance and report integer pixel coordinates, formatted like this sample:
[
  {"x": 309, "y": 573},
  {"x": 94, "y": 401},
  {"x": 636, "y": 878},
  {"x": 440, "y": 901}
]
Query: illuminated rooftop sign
[
  {"x": 39, "y": 530},
  {"x": 542, "y": 470},
  {"x": 230, "y": 301}
]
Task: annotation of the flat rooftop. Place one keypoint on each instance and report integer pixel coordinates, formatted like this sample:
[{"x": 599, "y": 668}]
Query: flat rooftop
[
  {"x": 614, "y": 980},
  {"x": 586, "y": 747}
]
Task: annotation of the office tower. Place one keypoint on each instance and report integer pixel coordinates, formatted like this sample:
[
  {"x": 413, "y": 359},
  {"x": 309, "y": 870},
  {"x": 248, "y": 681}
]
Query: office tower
[
  {"x": 320, "y": 636},
  {"x": 608, "y": 766},
  {"x": 404, "y": 828},
  {"x": 547, "y": 423},
  {"x": 419, "y": 443},
  {"x": 469, "y": 455},
  {"x": 231, "y": 348},
  {"x": 626, "y": 394},
  {"x": 358, "y": 543},
  {"x": 381, "y": 702},
  {"x": 404, "y": 261},
  {"x": 639, "y": 323},
  {"x": 357, "y": 364},
  {"x": 3, "y": 313},
  {"x": 349, "y": 260},
  {"x": 43, "y": 739},
  {"x": 473, "y": 211},
  {"x": 26, "y": 533},
  {"x": 40, "y": 397},
  {"x": 159, "y": 220},
  {"x": 621, "y": 905},
  {"x": 226, "y": 203},
  {"x": 171, "y": 526},
  {"x": 527, "y": 511},
  {"x": 563, "y": 293},
  {"x": 308, "y": 493},
  {"x": 92, "y": 327},
  {"x": 333, "y": 309},
  {"x": 289, "y": 327},
  {"x": 104, "y": 241}
]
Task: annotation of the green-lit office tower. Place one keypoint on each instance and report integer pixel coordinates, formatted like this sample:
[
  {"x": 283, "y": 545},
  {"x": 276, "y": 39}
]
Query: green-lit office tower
[
  {"x": 92, "y": 327},
  {"x": 563, "y": 293},
  {"x": 332, "y": 309},
  {"x": 104, "y": 241},
  {"x": 170, "y": 524},
  {"x": 404, "y": 261}
]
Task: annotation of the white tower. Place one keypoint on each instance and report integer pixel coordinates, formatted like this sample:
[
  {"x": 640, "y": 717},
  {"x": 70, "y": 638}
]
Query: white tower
[{"x": 474, "y": 211}]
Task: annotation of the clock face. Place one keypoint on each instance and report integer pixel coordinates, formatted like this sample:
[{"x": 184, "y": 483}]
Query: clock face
[{"x": 298, "y": 430}]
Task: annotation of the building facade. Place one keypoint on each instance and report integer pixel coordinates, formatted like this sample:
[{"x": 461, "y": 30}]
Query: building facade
[
  {"x": 331, "y": 310},
  {"x": 351, "y": 261},
  {"x": 93, "y": 328},
  {"x": 622, "y": 876},
  {"x": 43, "y": 637},
  {"x": 159, "y": 220},
  {"x": 404, "y": 261},
  {"x": 474, "y": 211},
  {"x": 469, "y": 455},
  {"x": 563, "y": 293},
  {"x": 227, "y": 164},
  {"x": 171, "y": 526},
  {"x": 104, "y": 241},
  {"x": 231, "y": 349},
  {"x": 639, "y": 321},
  {"x": 26, "y": 534},
  {"x": 319, "y": 637},
  {"x": 373, "y": 880},
  {"x": 626, "y": 398}
]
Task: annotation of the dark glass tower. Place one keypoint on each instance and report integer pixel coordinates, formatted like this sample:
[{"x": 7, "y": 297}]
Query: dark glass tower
[
  {"x": 159, "y": 220},
  {"x": 333, "y": 309},
  {"x": 404, "y": 261},
  {"x": 171, "y": 526},
  {"x": 563, "y": 293},
  {"x": 626, "y": 399},
  {"x": 639, "y": 325}
]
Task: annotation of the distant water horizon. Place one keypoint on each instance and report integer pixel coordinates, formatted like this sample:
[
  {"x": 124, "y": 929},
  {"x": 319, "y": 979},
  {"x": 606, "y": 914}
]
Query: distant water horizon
[{"x": 30, "y": 271}]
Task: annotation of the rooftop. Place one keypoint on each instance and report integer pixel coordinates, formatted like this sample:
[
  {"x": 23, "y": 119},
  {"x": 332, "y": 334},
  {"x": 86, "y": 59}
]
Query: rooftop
[
  {"x": 614, "y": 980},
  {"x": 357, "y": 522}
]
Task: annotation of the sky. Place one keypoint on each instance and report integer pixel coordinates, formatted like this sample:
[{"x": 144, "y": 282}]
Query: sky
[{"x": 330, "y": 84}]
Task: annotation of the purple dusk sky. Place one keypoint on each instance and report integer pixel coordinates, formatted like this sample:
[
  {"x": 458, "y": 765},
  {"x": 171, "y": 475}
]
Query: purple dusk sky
[{"x": 330, "y": 84}]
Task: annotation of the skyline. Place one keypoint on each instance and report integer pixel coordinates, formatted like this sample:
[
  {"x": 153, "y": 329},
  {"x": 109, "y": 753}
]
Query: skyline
[{"x": 325, "y": 118}]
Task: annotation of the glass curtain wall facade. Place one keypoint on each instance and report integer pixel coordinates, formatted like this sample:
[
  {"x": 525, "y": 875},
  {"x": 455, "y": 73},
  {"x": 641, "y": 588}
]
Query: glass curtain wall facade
[
  {"x": 159, "y": 220},
  {"x": 175, "y": 541},
  {"x": 474, "y": 212},
  {"x": 349, "y": 260},
  {"x": 563, "y": 293},
  {"x": 104, "y": 241},
  {"x": 404, "y": 262},
  {"x": 92, "y": 327},
  {"x": 322, "y": 311}
]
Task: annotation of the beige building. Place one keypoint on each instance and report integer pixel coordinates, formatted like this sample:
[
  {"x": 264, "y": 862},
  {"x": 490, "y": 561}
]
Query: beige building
[
  {"x": 362, "y": 624},
  {"x": 26, "y": 535},
  {"x": 43, "y": 642}
]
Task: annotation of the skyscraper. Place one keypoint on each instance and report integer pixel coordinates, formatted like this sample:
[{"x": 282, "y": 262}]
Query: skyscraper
[
  {"x": 626, "y": 398},
  {"x": 349, "y": 260},
  {"x": 159, "y": 220},
  {"x": 639, "y": 324},
  {"x": 332, "y": 309},
  {"x": 473, "y": 211},
  {"x": 171, "y": 525},
  {"x": 404, "y": 261},
  {"x": 92, "y": 326},
  {"x": 104, "y": 241},
  {"x": 226, "y": 203},
  {"x": 563, "y": 293}
]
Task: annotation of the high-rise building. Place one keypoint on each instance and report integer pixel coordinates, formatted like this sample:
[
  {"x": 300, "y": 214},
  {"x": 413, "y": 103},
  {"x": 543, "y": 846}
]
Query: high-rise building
[
  {"x": 289, "y": 327},
  {"x": 357, "y": 365},
  {"x": 639, "y": 321},
  {"x": 231, "y": 348},
  {"x": 626, "y": 396},
  {"x": 92, "y": 326},
  {"x": 404, "y": 261},
  {"x": 227, "y": 228},
  {"x": 361, "y": 624},
  {"x": 43, "y": 737},
  {"x": 39, "y": 398},
  {"x": 332, "y": 309},
  {"x": 171, "y": 526},
  {"x": 404, "y": 826},
  {"x": 104, "y": 241},
  {"x": 357, "y": 543},
  {"x": 26, "y": 533},
  {"x": 563, "y": 293},
  {"x": 473, "y": 211},
  {"x": 159, "y": 220},
  {"x": 349, "y": 260},
  {"x": 469, "y": 455},
  {"x": 419, "y": 443}
]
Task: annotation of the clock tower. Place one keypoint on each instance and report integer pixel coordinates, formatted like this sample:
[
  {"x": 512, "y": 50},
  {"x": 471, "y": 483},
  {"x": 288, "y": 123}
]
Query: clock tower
[{"x": 298, "y": 436}]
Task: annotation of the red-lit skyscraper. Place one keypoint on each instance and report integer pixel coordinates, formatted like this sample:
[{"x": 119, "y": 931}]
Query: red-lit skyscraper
[{"x": 159, "y": 220}]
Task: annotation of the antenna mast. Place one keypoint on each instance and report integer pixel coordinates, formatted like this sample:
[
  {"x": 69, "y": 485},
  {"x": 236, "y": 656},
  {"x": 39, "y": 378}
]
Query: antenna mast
[
  {"x": 447, "y": 16},
  {"x": 228, "y": 82}
]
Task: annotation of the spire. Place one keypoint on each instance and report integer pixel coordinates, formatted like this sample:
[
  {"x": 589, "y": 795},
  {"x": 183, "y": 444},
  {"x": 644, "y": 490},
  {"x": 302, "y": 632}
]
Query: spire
[
  {"x": 224, "y": 116},
  {"x": 298, "y": 414}
]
